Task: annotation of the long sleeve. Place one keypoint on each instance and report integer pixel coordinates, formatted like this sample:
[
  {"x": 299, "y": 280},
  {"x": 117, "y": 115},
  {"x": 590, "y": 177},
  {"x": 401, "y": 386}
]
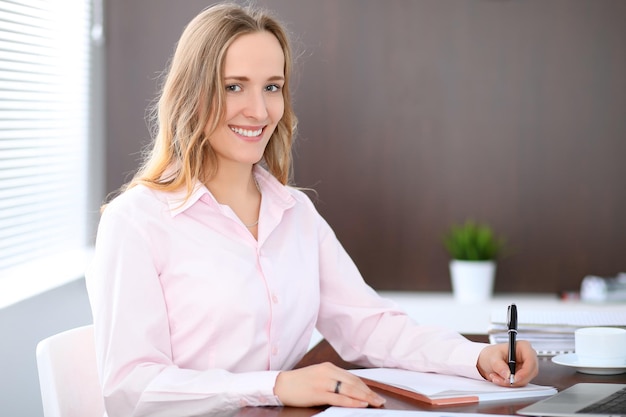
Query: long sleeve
[
  {"x": 194, "y": 316},
  {"x": 133, "y": 332},
  {"x": 367, "y": 329}
]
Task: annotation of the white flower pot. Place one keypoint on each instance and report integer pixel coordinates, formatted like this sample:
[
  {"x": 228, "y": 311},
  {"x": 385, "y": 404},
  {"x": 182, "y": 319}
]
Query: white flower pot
[{"x": 472, "y": 281}]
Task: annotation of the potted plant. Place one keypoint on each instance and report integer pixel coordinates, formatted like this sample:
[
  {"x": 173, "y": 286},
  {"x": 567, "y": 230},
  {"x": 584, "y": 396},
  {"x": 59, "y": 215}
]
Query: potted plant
[{"x": 473, "y": 248}]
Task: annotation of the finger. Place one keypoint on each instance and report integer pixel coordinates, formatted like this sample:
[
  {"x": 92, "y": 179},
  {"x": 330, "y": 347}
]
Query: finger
[
  {"x": 342, "y": 394},
  {"x": 351, "y": 386},
  {"x": 498, "y": 379},
  {"x": 339, "y": 400},
  {"x": 528, "y": 364},
  {"x": 355, "y": 400},
  {"x": 523, "y": 375},
  {"x": 526, "y": 372},
  {"x": 500, "y": 367},
  {"x": 361, "y": 392}
]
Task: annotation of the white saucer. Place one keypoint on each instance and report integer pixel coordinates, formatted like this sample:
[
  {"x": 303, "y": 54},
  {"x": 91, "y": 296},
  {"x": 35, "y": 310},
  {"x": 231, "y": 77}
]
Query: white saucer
[{"x": 570, "y": 359}]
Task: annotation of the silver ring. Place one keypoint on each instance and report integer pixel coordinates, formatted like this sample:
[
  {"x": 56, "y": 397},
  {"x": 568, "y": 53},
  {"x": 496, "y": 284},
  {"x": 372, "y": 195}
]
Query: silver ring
[{"x": 337, "y": 387}]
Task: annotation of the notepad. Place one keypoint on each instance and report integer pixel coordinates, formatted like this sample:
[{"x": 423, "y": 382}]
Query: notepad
[
  {"x": 438, "y": 389},
  {"x": 384, "y": 412}
]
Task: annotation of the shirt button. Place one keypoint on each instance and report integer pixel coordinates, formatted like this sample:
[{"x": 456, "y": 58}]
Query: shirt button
[
  {"x": 275, "y": 350},
  {"x": 274, "y": 299}
]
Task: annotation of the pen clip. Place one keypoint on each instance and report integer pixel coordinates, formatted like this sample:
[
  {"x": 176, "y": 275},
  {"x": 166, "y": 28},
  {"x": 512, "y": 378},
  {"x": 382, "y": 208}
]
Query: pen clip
[{"x": 512, "y": 317}]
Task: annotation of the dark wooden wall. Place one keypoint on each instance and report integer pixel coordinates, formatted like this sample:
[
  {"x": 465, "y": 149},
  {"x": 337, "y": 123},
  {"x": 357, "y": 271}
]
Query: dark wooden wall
[{"x": 417, "y": 114}]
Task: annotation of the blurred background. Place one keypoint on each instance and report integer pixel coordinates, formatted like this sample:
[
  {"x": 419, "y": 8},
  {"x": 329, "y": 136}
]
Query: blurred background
[{"x": 418, "y": 114}]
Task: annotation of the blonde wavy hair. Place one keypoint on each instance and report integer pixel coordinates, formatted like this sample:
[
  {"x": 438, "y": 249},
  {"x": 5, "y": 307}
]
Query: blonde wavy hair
[{"x": 192, "y": 102}]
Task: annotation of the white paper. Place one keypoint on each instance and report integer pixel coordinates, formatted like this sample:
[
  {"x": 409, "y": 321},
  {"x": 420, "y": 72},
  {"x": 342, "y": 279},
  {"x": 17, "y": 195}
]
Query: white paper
[
  {"x": 381, "y": 412},
  {"x": 446, "y": 386}
]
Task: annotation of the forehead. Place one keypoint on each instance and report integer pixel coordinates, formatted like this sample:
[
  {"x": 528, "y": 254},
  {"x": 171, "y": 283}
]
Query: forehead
[{"x": 257, "y": 53}]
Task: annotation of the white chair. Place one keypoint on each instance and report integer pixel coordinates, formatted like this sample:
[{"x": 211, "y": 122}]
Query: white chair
[{"x": 68, "y": 376}]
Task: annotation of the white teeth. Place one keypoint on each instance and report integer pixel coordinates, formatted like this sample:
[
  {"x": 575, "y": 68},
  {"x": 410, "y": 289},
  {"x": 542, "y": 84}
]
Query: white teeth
[{"x": 248, "y": 133}]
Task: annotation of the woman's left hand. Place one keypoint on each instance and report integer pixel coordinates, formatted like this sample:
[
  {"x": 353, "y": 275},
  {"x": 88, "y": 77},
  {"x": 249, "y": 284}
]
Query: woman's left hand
[{"x": 493, "y": 364}]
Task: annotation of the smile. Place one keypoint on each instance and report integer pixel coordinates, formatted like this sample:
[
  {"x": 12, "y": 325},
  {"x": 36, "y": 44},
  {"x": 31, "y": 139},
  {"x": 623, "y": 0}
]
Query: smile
[{"x": 246, "y": 132}]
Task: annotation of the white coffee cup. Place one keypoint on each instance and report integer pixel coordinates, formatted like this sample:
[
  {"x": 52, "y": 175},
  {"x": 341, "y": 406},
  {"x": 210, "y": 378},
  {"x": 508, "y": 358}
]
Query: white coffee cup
[{"x": 600, "y": 346}]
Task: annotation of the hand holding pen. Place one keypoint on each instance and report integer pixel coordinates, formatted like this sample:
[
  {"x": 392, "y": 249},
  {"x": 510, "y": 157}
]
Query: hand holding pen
[
  {"x": 512, "y": 325},
  {"x": 509, "y": 364}
]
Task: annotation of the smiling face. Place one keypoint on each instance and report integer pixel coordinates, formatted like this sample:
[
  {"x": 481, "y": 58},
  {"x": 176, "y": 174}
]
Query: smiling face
[{"x": 253, "y": 79}]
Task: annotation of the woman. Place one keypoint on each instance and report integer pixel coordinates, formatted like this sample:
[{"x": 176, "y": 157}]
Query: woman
[{"x": 211, "y": 273}]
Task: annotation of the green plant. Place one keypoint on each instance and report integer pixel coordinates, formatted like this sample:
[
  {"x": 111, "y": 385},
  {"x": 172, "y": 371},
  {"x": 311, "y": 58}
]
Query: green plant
[{"x": 472, "y": 241}]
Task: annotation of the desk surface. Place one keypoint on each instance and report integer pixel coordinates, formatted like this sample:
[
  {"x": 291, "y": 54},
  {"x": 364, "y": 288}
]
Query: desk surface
[{"x": 550, "y": 374}]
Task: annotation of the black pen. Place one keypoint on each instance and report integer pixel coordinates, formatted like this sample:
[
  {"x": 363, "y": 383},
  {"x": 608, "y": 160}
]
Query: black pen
[{"x": 512, "y": 323}]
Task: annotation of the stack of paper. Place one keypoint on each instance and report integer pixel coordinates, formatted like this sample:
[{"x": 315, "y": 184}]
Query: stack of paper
[{"x": 551, "y": 332}]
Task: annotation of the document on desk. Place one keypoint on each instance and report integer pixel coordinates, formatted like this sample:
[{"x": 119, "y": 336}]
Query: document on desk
[
  {"x": 551, "y": 332},
  {"x": 438, "y": 389},
  {"x": 381, "y": 412}
]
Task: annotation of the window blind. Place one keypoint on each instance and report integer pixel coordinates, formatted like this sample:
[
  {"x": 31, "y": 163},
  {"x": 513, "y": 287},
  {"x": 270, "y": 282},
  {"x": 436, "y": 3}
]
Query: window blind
[{"x": 44, "y": 125}]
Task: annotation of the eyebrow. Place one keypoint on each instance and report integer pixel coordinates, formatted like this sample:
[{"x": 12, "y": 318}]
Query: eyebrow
[{"x": 244, "y": 78}]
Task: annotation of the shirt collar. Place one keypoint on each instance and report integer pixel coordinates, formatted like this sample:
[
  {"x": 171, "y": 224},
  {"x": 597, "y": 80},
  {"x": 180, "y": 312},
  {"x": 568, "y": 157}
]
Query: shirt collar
[
  {"x": 269, "y": 185},
  {"x": 176, "y": 199}
]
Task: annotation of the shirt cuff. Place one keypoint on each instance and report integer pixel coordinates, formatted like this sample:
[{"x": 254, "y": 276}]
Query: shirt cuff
[
  {"x": 466, "y": 359},
  {"x": 259, "y": 390}
]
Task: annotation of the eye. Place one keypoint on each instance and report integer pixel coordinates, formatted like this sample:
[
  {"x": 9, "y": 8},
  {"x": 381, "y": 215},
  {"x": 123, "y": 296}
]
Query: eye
[
  {"x": 233, "y": 88},
  {"x": 273, "y": 88}
]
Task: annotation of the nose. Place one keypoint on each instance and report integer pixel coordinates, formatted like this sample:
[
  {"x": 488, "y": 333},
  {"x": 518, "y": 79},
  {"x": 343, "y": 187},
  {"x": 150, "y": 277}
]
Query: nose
[{"x": 256, "y": 107}]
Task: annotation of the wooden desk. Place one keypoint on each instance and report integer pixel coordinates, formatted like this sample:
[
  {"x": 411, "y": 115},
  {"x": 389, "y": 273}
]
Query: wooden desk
[{"x": 550, "y": 374}]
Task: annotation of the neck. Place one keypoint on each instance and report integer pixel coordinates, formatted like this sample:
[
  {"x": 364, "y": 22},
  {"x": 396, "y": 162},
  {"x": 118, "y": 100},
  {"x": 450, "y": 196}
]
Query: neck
[
  {"x": 237, "y": 189},
  {"x": 232, "y": 183}
]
